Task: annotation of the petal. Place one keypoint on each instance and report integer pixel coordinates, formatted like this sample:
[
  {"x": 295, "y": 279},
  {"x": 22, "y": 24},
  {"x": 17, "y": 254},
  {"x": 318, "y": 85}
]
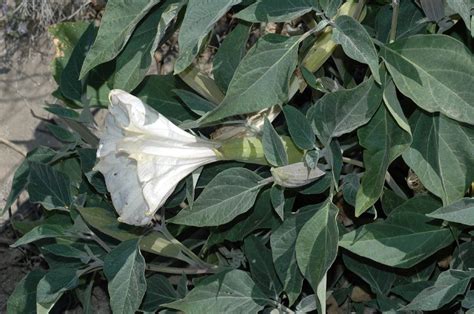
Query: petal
[
  {"x": 159, "y": 176},
  {"x": 135, "y": 116},
  {"x": 125, "y": 189}
]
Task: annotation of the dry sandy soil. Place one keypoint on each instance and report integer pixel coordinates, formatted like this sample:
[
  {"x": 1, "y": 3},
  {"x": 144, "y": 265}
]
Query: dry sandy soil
[{"x": 25, "y": 86}]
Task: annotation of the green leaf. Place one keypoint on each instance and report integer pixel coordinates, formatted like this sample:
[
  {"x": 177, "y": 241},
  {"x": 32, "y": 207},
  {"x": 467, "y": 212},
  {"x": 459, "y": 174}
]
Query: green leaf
[
  {"x": 50, "y": 188},
  {"x": 231, "y": 193},
  {"x": 124, "y": 268},
  {"x": 65, "y": 250},
  {"x": 410, "y": 290},
  {"x": 199, "y": 19},
  {"x": 154, "y": 242},
  {"x": 117, "y": 24},
  {"x": 351, "y": 184},
  {"x": 343, "y": 111},
  {"x": 157, "y": 92},
  {"x": 261, "y": 266},
  {"x": 435, "y": 72},
  {"x": 40, "y": 232},
  {"x": 262, "y": 78},
  {"x": 62, "y": 133},
  {"x": 273, "y": 146},
  {"x": 229, "y": 55},
  {"x": 394, "y": 107},
  {"x": 459, "y": 212},
  {"x": 299, "y": 128},
  {"x": 405, "y": 238},
  {"x": 23, "y": 298},
  {"x": 316, "y": 249},
  {"x": 447, "y": 286},
  {"x": 133, "y": 63},
  {"x": 197, "y": 104},
  {"x": 227, "y": 292},
  {"x": 383, "y": 141},
  {"x": 379, "y": 280},
  {"x": 356, "y": 43},
  {"x": 159, "y": 291},
  {"x": 52, "y": 286},
  {"x": 275, "y": 10},
  {"x": 277, "y": 195},
  {"x": 262, "y": 216},
  {"x": 20, "y": 178},
  {"x": 66, "y": 35},
  {"x": 442, "y": 155},
  {"x": 282, "y": 242},
  {"x": 70, "y": 84}
]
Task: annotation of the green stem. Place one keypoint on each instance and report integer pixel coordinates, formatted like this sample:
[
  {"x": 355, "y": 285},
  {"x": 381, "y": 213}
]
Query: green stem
[
  {"x": 393, "y": 26},
  {"x": 178, "y": 271}
]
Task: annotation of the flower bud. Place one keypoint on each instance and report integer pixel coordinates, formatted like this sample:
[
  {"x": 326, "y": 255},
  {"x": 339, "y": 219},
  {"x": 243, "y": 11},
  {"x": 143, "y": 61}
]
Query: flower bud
[{"x": 295, "y": 175}]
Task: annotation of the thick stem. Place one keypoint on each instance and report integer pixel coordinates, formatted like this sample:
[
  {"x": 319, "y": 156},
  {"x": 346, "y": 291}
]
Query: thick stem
[{"x": 393, "y": 26}]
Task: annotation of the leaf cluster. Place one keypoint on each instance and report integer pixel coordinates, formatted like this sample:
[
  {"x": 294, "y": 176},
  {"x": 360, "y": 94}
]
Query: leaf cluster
[{"x": 375, "y": 94}]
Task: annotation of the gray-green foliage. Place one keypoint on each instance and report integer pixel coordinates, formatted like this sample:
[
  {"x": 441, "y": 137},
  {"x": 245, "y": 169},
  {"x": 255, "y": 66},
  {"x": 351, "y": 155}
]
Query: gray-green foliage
[{"x": 354, "y": 144}]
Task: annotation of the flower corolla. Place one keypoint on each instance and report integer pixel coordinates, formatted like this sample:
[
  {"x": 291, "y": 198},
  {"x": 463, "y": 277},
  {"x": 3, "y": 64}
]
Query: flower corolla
[{"x": 143, "y": 156}]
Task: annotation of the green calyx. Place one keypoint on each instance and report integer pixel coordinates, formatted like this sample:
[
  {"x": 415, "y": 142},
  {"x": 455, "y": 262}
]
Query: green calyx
[{"x": 250, "y": 150}]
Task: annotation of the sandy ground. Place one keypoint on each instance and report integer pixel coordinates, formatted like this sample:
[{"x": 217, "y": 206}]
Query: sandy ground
[{"x": 25, "y": 86}]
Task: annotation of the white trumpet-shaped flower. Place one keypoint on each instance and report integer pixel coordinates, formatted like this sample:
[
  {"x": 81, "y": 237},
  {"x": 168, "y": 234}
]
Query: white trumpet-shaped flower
[{"x": 143, "y": 156}]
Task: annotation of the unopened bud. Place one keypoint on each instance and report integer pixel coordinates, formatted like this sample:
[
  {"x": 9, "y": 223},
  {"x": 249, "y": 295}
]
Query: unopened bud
[{"x": 295, "y": 175}]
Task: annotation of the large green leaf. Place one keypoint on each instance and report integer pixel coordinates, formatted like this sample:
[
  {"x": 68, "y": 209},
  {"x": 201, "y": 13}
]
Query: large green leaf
[
  {"x": 200, "y": 17},
  {"x": 275, "y": 10},
  {"x": 282, "y": 242},
  {"x": 154, "y": 242},
  {"x": 273, "y": 146},
  {"x": 261, "y": 267},
  {"x": 229, "y": 54},
  {"x": 316, "y": 249},
  {"x": 261, "y": 216},
  {"x": 356, "y": 43},
  {"x": 20, "y": 178},
  {"x": 119, "y": 20},
  {"x": 70, "y": 84},
  {"x": 227, "y": 292},
  {"x": 124, "y": 268},
  {"x": 53, "y": 285},
  {"x": 262, "y": 77},
  {"x": 442, "y": 155},
  {"x": 379, "y": 280},
  {"x": 344, "y": 111},
  {"x": 435, "y": 71},
  {"x": 231, "y": 193},
  {"x": 134, "y": 61},
  {"x": 157, "y": 91},
  {"x": 461, "y": 212},
  {"x": 383, "y": 141},
  {"x": 405, "y": 238},
  {"x": 23, "y": 298},
  {"x": 449, "y": 284},
  {"x": 50, "y": 188}
]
